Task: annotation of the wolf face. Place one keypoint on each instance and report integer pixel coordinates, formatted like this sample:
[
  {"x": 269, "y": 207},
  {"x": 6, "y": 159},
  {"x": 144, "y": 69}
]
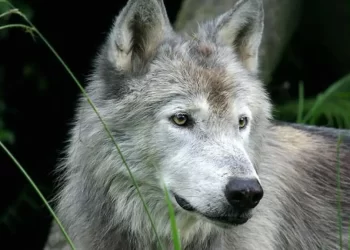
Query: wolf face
[{"x": 191, "y": 108}]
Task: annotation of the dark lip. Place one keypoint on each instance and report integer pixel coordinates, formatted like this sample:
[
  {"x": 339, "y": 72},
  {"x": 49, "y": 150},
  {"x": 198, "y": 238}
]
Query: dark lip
[
  {"x": 221, "y": 220},
  {"x": 183, "y": 203},
  {"x": 229, "y": 220}
]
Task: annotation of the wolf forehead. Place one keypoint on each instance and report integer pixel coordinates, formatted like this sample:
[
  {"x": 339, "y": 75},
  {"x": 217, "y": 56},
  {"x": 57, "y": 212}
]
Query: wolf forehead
[
  {"x": 196, "y": 67},
  {"x": 191, "y": 68}
]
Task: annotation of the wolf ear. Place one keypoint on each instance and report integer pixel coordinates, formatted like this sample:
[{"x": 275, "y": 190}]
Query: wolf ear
[
  {"x": 242, "y": 28},
  {"x": 138, "y": 30}
]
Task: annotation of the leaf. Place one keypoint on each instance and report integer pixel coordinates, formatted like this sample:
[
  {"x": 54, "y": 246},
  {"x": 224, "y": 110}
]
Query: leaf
[{"x": 333, "y": 104}]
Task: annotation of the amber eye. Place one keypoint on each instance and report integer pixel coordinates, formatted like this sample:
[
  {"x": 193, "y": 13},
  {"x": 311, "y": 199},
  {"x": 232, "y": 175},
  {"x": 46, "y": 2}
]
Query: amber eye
[
  {"x": 180, "y": 119},
  {"x": 243, "y": 121}
]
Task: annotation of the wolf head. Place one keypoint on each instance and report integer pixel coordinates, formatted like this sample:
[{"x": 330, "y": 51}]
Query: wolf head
[{"x": 186, "y": 110}]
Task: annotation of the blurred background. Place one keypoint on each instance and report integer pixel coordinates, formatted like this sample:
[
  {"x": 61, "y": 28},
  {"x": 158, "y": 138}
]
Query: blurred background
[{"x": 307, "y": 42}]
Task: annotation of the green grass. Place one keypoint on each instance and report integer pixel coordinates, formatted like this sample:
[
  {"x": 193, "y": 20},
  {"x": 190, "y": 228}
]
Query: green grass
[
  {"x": 324, "y": 104},
  {"x": 332, "y": 104}
]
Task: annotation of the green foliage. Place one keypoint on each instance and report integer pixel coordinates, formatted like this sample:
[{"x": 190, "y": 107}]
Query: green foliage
[{"x": 332, "y": 105}]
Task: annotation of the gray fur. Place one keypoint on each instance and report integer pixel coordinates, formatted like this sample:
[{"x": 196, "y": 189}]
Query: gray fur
[{"x": 144, "y": 74}]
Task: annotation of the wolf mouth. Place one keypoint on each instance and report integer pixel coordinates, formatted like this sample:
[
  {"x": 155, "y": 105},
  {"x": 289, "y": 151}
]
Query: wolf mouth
[
  {"x": 184, "y": 203},
  {"x": 231, "y": 219}
]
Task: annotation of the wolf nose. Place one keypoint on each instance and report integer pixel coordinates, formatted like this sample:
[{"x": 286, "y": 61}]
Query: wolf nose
[{"x": 243, "y": 193}]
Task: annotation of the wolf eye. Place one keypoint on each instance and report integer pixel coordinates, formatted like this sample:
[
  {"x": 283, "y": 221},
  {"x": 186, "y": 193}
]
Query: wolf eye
[
  {"x": 243, "y": 121},
  {"x": 180, "y": 119}
]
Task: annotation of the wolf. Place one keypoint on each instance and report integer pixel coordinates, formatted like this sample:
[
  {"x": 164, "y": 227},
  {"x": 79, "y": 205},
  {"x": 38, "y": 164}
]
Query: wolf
[{"x": 190, "y": 115}]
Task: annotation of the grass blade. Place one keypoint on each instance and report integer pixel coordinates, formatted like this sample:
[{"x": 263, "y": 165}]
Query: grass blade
[
  {"x": 174, "y": 230},
  {"x": 9, "y": 26},
  {"x": 39, "y": 193},
  {"x": 326, "y": 94},
  {"x": 7, "y": 13}
]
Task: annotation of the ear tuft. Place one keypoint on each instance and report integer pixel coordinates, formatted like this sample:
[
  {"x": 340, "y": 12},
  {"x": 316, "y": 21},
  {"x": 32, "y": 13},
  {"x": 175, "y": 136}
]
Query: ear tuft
[
  {"x": 137, "y": 32},
  {"x": 242, "y": 28}
]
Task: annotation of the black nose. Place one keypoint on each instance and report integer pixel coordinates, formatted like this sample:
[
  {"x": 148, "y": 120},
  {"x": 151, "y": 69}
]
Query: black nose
[{"x": 243, "y": 194}]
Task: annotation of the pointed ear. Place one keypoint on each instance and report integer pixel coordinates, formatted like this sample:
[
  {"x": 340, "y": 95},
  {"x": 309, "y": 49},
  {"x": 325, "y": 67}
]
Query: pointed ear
[
  {"x": 242, "y": 28},
  {"x": 138, "y": 30}
]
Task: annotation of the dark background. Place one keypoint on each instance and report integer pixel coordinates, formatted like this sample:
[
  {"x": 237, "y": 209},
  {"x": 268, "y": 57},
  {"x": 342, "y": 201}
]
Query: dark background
[{"x": 37, "y": 96}]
